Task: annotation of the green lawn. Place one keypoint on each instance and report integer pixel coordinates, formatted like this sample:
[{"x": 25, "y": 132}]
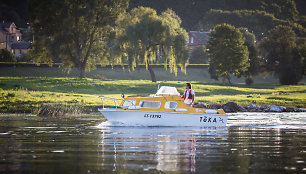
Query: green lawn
[
  {"x": 25, "y": 89},
  {"x": 26, "y": 94}
]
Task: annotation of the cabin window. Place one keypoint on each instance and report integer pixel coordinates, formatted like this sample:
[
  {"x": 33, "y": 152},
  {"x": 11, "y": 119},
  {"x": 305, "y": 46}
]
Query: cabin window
[
  {"x": 170, "y": 105},
  {"x": 149, "y": 104},
  {"x": 127, "y": 103},
  {"x": 191, "y": 40}
]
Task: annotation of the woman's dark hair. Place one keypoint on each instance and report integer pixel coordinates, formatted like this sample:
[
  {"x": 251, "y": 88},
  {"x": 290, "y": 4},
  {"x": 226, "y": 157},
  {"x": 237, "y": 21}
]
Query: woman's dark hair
[{"x": 189, "y": 85}]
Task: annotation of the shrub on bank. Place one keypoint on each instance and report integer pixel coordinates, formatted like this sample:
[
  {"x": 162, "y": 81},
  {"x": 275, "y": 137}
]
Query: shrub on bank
[{"x": 7, "y": 56}]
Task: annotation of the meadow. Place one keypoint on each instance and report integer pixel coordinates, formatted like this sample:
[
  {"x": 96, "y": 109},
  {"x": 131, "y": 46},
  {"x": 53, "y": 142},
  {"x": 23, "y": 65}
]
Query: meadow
[{"x": 25, "y": 90}]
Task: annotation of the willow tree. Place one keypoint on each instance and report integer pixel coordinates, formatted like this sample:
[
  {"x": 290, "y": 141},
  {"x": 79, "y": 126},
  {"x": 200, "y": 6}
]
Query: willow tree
[
  {"x": 145, "y": 37},
  {"x": 76, "y": 31}
]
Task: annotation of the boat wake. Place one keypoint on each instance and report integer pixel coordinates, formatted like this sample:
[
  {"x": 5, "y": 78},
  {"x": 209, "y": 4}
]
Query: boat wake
[{"x": 268, "y": 120}]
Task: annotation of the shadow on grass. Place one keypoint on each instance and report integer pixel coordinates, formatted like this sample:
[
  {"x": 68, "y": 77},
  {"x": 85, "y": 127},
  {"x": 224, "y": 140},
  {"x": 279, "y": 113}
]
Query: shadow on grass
[
  {"x": 254, "y": 86},
  {"x": 94, "y": 86},
  {"x": 76, "y": 85},
  {"x": 66, "y": 85}
]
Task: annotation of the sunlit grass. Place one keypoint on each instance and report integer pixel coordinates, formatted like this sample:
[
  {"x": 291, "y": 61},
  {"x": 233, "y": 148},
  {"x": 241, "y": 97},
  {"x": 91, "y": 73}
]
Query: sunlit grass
[
  {"x": 26, "y": 94},
  {"x": 23, "y": 100}
]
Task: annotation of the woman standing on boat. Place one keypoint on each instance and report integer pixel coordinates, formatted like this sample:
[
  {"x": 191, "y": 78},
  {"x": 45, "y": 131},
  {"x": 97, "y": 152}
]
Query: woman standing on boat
[{"x": 188, "y": 94}]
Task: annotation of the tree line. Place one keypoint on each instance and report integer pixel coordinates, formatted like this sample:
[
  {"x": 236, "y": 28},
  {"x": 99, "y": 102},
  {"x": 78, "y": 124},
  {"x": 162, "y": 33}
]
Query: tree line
[
  {"x": 235, "y": 51},
  {"x": 190, "y": 11},
  {"x": 247, "y": 36}
]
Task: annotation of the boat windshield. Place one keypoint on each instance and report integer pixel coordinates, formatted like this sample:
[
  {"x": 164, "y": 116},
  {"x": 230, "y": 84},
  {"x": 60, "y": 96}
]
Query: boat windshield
[{"x": 167, "y": 90}]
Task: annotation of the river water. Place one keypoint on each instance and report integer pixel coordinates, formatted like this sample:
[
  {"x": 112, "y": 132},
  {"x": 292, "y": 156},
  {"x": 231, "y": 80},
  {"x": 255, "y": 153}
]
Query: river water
[{"x": 250, "y": 143}]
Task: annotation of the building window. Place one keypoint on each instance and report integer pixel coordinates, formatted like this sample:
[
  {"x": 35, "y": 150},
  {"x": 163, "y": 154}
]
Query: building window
[
  {"x": 127, "y": 103},
  {"x": 18, "y": 38},
  {"x": 191, "y": 40},
  {"x": 149, "y": 104},
  {"x": 187, "y": 40},
  {"x": 170, "y": 105}
]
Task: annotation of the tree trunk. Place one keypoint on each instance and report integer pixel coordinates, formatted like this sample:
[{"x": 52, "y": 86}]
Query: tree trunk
[
  {"x": 82, "y": 70},
  {"x": 229, "y": 79},
  {"x": 153, "y": 78},
  {"x": 223, "y": 80}
]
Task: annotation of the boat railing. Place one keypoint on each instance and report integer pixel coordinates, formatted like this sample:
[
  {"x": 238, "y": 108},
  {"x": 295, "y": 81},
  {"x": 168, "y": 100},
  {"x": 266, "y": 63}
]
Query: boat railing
[{"x": 109, "y": 98}]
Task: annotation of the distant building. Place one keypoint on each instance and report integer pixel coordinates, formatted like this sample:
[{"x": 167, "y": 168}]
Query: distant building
[
  {"x": 11, "y": 39},
  {"x": 20, "y": 48},
  {"x": 197, "y": 38}
]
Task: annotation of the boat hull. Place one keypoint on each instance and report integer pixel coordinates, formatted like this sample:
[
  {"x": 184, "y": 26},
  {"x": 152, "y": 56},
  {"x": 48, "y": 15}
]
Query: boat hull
[{"x": 149, "y": 118}]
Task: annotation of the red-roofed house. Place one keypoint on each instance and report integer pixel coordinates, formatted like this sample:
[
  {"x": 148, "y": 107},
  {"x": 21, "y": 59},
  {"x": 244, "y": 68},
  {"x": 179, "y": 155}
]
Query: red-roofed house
[
  {"x": 197, "y": 38},
  {"x": 11, "y": 39}
]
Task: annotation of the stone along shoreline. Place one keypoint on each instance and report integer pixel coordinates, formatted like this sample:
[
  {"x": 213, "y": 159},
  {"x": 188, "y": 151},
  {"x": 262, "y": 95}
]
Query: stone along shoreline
[{"x": 232, "y": 107}]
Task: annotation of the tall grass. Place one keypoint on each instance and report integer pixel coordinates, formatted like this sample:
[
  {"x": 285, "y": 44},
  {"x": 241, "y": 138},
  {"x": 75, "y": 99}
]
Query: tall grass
[{"x": 57, "y": 110}]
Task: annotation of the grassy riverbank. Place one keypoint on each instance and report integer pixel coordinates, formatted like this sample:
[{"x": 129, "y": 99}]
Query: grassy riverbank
[{"x": 27, "y": 94}]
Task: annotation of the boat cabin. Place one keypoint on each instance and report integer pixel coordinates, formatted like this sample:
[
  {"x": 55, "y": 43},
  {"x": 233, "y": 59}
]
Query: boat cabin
[{"x": 167, "y": 99}]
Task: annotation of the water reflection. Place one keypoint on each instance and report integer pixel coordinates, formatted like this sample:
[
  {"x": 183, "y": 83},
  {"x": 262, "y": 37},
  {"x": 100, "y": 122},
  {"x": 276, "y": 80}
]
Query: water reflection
[
  {"x": 249, "y": 144},
  {"x": 169, "y": 151},
  {"x": 163, "y": 148}
]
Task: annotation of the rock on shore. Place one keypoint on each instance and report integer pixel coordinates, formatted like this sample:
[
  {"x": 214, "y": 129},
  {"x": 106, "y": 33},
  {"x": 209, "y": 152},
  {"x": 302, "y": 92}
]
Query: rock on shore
[{"x": 231, "y": 107}]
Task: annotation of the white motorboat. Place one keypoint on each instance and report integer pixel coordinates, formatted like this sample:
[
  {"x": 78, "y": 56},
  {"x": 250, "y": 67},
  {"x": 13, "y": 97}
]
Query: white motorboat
[{"x": 165, "y": 108}]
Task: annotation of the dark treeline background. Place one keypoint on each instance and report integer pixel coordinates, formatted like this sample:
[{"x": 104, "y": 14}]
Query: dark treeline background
[
  {"x": 190, "y": 11},
  {"x": 14, "y": 11}
]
